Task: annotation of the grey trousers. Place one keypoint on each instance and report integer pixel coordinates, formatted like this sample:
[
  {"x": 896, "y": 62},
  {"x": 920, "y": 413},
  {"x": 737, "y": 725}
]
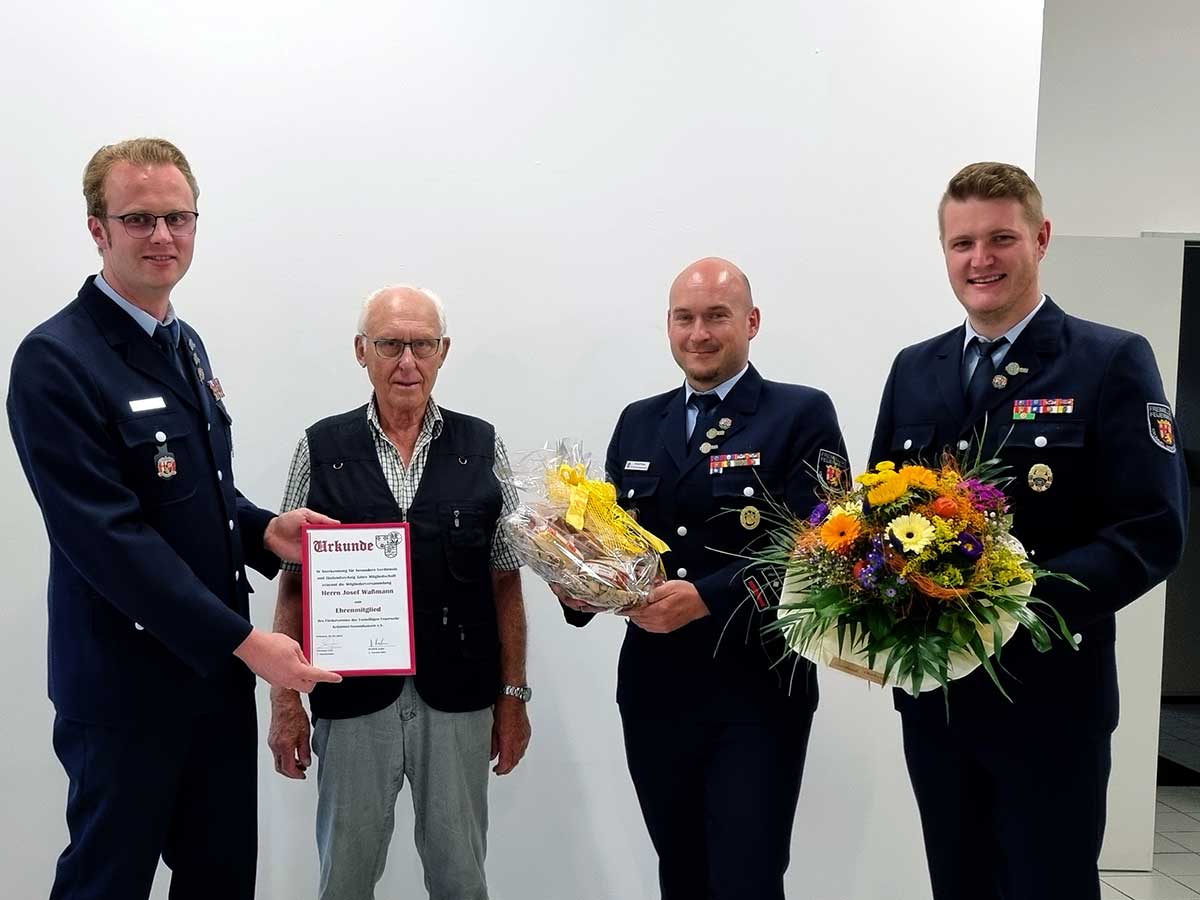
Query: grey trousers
[{"x": 362, "y": 766}]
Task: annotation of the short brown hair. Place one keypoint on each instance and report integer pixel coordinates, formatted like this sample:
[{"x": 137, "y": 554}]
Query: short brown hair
[
  {"x": 995, "y": 181},
  {"x": 140, "y": 152}
]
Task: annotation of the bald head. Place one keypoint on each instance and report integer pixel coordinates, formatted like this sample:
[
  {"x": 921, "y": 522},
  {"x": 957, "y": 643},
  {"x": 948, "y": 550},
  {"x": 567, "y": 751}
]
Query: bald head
[
  {"x": 711, "y": 320},
  {"x": 414, "y": 298}
]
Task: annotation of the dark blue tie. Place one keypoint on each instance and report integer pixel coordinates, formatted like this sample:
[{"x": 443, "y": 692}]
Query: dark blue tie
[
  {"x": 167, "y": 340},
  {"x": 985, "y": 370},
  {"x": 706, "y": 407}
]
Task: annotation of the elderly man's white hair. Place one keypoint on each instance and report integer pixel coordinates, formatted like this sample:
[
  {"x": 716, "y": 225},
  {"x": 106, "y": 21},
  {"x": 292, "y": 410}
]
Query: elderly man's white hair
[{"x": 429, "y": 295}]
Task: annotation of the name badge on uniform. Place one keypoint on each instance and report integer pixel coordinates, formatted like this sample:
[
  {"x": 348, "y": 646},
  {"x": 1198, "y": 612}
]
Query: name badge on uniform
[
  {"x": 722, "y": 461},
  {"x": 147, "y": 404},
  {"x": 637, "y": 465}
]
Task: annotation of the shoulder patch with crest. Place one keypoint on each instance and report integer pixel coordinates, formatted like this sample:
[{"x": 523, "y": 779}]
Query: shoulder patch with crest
[
  {"x": 1162, "y": 426},
  {"x": 833, "y": 468}
]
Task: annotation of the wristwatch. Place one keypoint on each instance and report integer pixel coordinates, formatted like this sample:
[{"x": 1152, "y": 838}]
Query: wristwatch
[{"x": 523, "y": 693}]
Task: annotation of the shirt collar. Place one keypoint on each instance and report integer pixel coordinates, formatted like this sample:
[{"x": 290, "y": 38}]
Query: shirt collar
[
  {"x": 721, "y": 390},
  {"x": 1012, "y": 334},
  {"x": 431, "y": 424},
  {"x": 139, "y": 315}
]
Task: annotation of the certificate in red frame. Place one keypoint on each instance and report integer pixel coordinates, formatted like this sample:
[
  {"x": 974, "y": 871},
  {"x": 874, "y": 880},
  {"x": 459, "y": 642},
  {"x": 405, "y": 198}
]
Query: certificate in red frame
[{"x": 358, "y": 611}]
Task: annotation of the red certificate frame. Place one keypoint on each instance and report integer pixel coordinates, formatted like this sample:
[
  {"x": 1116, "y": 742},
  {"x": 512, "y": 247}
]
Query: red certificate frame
[{"x": 359, "y": 639}]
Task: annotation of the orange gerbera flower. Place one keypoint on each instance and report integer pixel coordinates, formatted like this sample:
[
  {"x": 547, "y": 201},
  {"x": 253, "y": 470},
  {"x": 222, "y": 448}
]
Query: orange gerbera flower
[{"x": 840, "y": 531}]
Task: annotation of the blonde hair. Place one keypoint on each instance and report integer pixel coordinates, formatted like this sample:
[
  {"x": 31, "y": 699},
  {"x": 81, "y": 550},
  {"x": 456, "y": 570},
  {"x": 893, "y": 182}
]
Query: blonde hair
[
  {"x": 994, "y": 181},
  {"x": 140, "y": 152}
]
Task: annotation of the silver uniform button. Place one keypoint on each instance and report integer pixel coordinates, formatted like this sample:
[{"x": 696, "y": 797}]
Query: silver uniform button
[
  {"x": 630, "y": 494},
  {"x": 1039, "y": 441},
  {"x": 231, "y": 524},
  {"x": 681, "y": 573},
  {"x": 237, "y": 575},
  {"x": 220, "y": 475},
  {"x": 748, "y": 491},
  {"x": 908, "y": 444},
  {"x": 139, "y": 626},
  {"x": 681, "y": 531},
  {"x": 160, "y": 436},
  {"x": 963, "y": 445},
  {"x": 1078, "y": 638},
  {"x": 210, "y": 426}
]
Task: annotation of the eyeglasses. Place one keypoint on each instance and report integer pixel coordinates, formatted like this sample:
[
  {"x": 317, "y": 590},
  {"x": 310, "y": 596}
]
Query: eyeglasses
[
  {"x": 141, "y": 225},
  {"x": 389, "y": 348}
]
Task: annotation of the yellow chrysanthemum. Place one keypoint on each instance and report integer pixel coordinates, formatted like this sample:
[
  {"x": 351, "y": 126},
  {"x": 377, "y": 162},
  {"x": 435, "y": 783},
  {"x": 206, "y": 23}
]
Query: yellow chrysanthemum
[
  {"x": 840, "y": 531},
  {"x": 914, "y": 532},
  {"x": 887, "y": 491},
  {"x": 886, "y": 466},
  {"x": 919, "y": 476},
  {"x": 869, "y": 479}
]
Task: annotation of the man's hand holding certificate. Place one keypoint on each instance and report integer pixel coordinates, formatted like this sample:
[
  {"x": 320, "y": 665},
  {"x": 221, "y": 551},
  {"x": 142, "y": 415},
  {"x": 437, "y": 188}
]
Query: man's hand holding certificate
[{"x": 358, "y": 617}]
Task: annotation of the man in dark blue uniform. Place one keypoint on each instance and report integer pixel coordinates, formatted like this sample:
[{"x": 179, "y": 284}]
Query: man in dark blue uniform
[
  {"x": 120, "y": 426},
  {"x": 714, "y": 734},
  {"x": 1012, "y": 794}
]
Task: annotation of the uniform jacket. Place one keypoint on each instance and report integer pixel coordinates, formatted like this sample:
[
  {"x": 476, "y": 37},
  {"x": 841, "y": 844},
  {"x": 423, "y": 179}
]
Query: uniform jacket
[
  {"x": 718, "y": 667},
  {"x": 1111, "y": 513},
  {"x": 147, "y": 594}
]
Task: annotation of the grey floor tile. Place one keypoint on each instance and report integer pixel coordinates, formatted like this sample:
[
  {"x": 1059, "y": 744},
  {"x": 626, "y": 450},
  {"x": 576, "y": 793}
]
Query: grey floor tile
[
  {"x": 1150, "y": 887},
  {"x": 1177, "y": 863}
]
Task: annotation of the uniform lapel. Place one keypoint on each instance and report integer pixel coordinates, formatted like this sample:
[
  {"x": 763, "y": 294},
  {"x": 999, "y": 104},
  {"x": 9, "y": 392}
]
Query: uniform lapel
[
  {"x": 947, "y": 371},
  {"x": 125, "y": 335},
  {"x": 673, "y": 430}
]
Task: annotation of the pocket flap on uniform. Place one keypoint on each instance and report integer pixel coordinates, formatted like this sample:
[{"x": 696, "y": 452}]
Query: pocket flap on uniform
[
  {"x": 740, "y": 482},
  {"x": 1047, "y": 435},
  {"x": 911, "y": 439},
  {"x": 634, "y": 487},
  {"x": 159, "y": 428}
]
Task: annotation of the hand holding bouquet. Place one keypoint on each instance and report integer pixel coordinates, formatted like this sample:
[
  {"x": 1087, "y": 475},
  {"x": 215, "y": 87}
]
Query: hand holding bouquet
[{"x": 913, "y": 578}]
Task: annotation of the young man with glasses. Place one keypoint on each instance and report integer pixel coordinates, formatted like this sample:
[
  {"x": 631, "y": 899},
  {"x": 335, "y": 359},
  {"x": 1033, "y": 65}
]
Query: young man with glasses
[
  {"x": 120, "y": 426},
  {"x": 401, "y": 457}
]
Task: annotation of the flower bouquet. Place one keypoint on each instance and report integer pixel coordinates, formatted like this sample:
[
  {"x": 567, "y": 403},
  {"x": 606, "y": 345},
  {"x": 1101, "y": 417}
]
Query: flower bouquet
[
  {"x": 912, "y": 578},
  {"x": 572, "y": 532}
]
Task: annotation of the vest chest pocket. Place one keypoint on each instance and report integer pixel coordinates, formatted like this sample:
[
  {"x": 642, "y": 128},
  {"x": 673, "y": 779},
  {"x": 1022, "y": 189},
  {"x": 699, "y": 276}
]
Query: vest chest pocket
[
  {"x": 467, "y": 538},
  {"x": 160, "y": 457}
]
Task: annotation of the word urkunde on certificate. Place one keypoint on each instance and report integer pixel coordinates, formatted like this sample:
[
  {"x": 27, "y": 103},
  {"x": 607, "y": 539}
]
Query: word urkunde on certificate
[{"x": 358, "y": 616}]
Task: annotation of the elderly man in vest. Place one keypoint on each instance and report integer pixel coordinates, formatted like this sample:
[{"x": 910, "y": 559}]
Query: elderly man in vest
[{"x": 401, "y": 457}]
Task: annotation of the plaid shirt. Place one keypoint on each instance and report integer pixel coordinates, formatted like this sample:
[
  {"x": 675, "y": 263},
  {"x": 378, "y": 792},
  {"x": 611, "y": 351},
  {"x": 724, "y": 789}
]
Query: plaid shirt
[{"x": 403, "y": 480}]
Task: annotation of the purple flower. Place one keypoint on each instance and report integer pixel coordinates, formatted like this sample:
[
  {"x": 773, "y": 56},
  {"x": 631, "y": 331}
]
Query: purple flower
[
  {"x": 889, "y": 592},
  {"x": 818, "y": 514},
  {"x": 985, "y": 497},
  {"x": 969, "y": 545}
]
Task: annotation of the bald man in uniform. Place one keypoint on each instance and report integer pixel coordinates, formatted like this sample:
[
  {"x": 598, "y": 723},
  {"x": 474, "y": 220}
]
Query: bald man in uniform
[{"x": 715, "y": 733}]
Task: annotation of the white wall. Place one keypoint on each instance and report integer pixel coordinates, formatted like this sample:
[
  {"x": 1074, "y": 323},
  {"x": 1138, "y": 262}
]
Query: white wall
[
  {"x": 547, "y": 167},
  {"x": 1117, "y": 122},
  {"x": 1130, "y": 283},
  {"x": 1117, "y": 133}
]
